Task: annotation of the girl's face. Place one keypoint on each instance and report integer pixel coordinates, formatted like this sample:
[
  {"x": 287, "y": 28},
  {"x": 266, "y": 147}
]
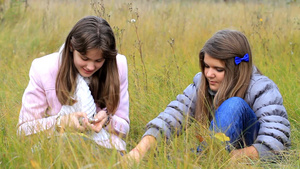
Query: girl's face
[
  {"x": 214, "y": 71},
  {"x": 88, "y": 64}
]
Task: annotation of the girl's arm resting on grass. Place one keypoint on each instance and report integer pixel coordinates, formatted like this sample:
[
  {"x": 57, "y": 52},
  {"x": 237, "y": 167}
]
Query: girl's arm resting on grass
[
  {"x": 147, "y": 143},
  {"x": 175, "y": 117},
  {"x": 166, "y": 123}
]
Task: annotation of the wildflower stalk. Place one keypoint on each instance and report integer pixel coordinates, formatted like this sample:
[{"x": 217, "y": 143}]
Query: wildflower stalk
[
  {"x": 135, "y": 72},
  {"x": 171, "y": 43},
  {"x": 119, "y": 35},
  {"x": 139, "y": 43},
  {"x": 99, "y": 9}
]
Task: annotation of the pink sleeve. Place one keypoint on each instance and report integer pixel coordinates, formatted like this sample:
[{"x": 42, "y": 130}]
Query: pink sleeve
[
  {"x": 34, "y": 105},
  {"x": 120, "y": 121}
]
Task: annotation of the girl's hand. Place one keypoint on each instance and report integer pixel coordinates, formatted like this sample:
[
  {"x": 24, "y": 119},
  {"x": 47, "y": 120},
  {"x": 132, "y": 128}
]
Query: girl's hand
[
  {"x": 148, "y": 142},
  {"x": 136, "y": 155},
  {"x": 244, "y": 153},
  {"x": 72, "y": 121},
  {"x": 100, "y": 119}
]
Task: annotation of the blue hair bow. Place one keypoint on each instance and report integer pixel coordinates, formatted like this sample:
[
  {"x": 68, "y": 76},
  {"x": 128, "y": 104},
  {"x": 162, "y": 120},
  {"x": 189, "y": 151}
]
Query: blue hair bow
[{"x": 238, "y": 60}]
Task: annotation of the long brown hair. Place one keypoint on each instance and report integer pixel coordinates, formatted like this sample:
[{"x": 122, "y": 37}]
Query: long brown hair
[
  {"x": 224, "y": 45},
  {"x": 90, "y": 32}
]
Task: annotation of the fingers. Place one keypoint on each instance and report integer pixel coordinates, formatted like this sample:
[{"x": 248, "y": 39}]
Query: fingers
[
  {"x": 72, "y": 121},
  {"x": 80, "y": 128},
  {"x": 80, "y": 122},
  {"x": 80, "y": 114},
  {"x": 101, "y": 117},
  {"x": 76, "y": 121}
]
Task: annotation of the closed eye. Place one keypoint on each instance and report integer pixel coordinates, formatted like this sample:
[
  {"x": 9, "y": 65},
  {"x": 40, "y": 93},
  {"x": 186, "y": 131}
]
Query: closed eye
[
  {"x": 84, "y": 58},
  {"x": 100, "y": 60},
  {"x": 220, "y": 70}
]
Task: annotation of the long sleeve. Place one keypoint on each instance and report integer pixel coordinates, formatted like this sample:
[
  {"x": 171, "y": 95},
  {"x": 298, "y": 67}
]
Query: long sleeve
[
  {"x": 267, "y": 103},
  {"x": 175, "y": 116},
  {"x": 32, "y": 118},
  {"x": 120, "y": 121}
]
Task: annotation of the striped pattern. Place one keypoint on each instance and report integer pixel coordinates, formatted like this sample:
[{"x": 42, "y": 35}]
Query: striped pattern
[{"x": 262, "y": 96}]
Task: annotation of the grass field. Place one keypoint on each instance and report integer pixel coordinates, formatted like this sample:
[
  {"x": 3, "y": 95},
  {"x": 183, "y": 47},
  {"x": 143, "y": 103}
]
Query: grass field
[{"x": 161, "y": 40}]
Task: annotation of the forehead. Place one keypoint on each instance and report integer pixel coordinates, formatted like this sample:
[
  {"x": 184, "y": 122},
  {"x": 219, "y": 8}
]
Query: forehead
[
  {"x": 94, "y": 54},
  {"x": 213, "y": 61}
]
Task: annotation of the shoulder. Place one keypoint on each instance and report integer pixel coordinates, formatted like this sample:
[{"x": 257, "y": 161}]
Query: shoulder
[
  {"x": 262, "y": 92},
  {"x": 122, "y": 65},
  {"x": 45, "y": 68},
  {"x": 121, "y": 58},
  {"x": 43, "y": 64},
  {"x": 121, "y": 61},
  {"x": 190, "y": 89},
  {"x": 260, "y": 83},
  {"x": 197, "y": 79}
]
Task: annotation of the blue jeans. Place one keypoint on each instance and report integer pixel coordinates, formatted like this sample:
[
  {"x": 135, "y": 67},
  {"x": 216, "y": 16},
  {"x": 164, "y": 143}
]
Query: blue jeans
[{"x": 237, "y": 121}]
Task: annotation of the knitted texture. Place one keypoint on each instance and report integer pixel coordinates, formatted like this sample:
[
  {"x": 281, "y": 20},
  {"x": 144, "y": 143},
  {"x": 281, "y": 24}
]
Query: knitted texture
[{"x": 85, "y": 103}]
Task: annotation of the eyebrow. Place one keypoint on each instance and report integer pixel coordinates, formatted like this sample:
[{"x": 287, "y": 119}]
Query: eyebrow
[
  {"x": 84, "y": 56},
  {"x": 101, "y": 58},
  {"x": 217, "y": 67}
]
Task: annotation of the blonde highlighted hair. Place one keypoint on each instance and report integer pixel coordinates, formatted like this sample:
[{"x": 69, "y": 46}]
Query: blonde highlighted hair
[{"x": 224, "y": 45}]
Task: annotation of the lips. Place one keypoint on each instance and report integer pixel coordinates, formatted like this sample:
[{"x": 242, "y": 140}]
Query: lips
[
  {"x": 212, "y": 82},
  {"x": 87, "y": 72}
]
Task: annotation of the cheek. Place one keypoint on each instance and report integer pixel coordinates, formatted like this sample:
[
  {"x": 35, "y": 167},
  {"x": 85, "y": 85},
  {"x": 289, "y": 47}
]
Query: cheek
[
  {"x": 99, "y": 65},
  {"x": 221, "y": 76},
  {"x": 77, "y": 62}
]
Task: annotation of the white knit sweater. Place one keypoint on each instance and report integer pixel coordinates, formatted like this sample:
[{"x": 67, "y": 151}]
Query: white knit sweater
[{"x": 85, "y": 103}]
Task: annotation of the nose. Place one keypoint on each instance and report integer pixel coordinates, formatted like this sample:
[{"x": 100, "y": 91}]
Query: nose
[
  {"x": 90, "y": 66},
  {"x": 210, "y": 73}
]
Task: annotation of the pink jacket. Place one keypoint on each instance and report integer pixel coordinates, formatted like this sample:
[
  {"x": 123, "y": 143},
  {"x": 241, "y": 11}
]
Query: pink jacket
[{"x": 40, "y": 105}]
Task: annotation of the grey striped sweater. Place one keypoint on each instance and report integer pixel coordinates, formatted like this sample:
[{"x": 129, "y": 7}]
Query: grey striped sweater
[{"x": 262, "y": 96}]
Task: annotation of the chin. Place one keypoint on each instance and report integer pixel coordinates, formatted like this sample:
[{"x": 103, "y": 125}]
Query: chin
[
  {"x": 85, "y": 75},
  {"x": 213, "y": 88}
]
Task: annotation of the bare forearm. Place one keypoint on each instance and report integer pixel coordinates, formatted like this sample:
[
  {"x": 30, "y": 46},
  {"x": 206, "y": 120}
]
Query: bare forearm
[{"x": 147, "y": 143}]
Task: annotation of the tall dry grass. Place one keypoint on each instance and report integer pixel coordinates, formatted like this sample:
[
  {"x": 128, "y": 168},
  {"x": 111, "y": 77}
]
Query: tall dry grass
[{"x": 161, "y": 40}]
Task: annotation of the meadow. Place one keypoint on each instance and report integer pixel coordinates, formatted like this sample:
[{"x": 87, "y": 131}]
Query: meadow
[{"x": 161, "y": 40}]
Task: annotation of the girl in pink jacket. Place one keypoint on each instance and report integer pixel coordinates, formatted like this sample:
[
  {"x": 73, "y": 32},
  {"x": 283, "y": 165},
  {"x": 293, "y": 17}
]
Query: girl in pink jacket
[{"x": 82, "y": 87}]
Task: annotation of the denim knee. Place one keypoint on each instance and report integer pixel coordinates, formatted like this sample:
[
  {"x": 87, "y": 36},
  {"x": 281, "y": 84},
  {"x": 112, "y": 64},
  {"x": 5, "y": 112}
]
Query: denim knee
[
  {"x": 234, "y": 105},
  {"x": 235, "y": 117}
]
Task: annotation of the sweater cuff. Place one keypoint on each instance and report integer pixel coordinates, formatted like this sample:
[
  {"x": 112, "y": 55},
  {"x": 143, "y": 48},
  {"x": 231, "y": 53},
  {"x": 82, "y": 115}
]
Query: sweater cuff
[
  {"x": 153, "y": 132},
  {"x": 119, "y": 125},
  {"x": 265, "y": 154}
]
